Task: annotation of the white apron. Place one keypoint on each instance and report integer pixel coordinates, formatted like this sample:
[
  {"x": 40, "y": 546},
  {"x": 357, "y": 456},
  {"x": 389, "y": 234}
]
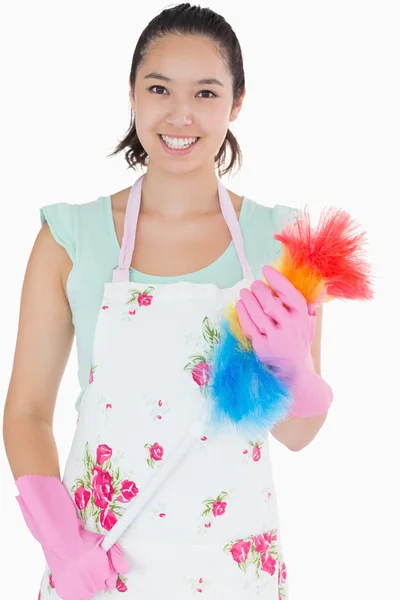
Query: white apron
[{"x": 211, "y": 528}]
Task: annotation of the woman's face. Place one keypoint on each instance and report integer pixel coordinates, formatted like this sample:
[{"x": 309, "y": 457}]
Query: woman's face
[{"x": 182, "y": 106}]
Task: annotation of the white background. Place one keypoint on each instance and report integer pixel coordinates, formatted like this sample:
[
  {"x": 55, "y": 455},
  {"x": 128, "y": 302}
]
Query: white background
[{"x": 319, "y": 125}]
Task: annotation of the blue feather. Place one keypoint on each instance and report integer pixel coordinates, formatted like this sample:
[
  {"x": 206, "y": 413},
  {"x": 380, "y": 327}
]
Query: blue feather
[{"x": 243, "y": 391}]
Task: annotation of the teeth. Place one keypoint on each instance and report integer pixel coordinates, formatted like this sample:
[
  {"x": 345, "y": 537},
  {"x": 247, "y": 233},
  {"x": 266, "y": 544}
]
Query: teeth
[{"x": 179, "y": 142}]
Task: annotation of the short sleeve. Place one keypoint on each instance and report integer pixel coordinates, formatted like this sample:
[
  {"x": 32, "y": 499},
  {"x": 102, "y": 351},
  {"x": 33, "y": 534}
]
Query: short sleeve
[
  {"x": 61, "y": 220},
  {"x": 282, "y": 216}
]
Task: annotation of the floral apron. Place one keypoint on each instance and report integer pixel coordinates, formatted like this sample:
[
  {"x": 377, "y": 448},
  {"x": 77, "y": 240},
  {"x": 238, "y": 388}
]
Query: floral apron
[{"x": 211, "y": 528}]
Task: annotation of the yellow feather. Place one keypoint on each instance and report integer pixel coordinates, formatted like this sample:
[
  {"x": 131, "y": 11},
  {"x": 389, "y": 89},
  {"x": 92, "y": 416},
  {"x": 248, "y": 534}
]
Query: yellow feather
[
  {"x": 304, "y": 279},
  {"x": 234, "y": 325}
]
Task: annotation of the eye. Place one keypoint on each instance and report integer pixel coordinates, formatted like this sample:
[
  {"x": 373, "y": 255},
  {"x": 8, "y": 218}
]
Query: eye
[
  {"x": 161, "y": 87},
  {"x": 208, "y": 92}
]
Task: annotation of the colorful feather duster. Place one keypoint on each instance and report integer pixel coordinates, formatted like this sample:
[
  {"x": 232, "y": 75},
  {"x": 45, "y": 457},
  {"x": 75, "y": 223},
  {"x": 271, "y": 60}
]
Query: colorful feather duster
[{"x": 323, "y": 263}]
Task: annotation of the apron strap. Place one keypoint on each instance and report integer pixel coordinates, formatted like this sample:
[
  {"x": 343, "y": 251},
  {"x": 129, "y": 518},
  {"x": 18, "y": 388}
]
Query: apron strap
[
  {"x": 233, "y": 224},
  {"x": 122, "y": 270}
]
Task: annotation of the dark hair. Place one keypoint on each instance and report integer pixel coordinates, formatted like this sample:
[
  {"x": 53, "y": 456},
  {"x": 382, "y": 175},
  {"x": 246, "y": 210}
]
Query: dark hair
[{"x": 185, "y": 19}]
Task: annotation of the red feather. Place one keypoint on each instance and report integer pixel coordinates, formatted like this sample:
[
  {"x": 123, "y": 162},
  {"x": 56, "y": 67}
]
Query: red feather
[{"x": 334, "y": 249}]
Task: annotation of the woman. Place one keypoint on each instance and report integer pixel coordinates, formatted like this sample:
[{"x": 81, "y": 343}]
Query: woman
[{"x": 145, "y": 303}]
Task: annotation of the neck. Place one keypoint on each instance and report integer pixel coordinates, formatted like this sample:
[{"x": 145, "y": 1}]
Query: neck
[{"x": 180, "y": 194}]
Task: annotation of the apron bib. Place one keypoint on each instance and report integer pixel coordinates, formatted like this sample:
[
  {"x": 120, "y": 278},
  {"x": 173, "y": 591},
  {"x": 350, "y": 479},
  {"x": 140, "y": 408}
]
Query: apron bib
[{"x": 211, "y": 526}]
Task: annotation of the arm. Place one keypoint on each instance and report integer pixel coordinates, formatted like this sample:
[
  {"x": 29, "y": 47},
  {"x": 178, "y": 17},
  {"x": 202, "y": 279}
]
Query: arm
[
  {"x": 79, "y": 564},
  {"x": 296, "y": 433},
  {"x": 44, "y": 341}
]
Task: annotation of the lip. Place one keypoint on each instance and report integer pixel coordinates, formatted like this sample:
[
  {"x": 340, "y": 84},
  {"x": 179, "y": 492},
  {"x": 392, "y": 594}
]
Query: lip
[
  {"x": 177, "y": 151},
  {"x": 178, "y": 137}
]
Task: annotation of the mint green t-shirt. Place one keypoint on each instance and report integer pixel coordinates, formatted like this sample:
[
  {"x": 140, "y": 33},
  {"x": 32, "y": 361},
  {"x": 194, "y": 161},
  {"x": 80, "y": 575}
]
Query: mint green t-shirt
[{"x": 87, "y": 233}]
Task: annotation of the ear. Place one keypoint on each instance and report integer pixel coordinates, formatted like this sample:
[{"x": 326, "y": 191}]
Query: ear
[{"x": 237, "y": 107}]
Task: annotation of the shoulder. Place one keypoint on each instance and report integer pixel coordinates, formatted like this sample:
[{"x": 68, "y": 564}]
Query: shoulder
[
  {"x": 259, "y": 223},
  {"x": 66, "y": 221},
  {"x": 74, "y": 227},
  {"x": 277, "y": 215},
  {"x": 60, "y": 218}
]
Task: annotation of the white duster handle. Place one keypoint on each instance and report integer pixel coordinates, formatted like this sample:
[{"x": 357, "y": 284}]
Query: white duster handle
[{"x": 152, "y": 487}]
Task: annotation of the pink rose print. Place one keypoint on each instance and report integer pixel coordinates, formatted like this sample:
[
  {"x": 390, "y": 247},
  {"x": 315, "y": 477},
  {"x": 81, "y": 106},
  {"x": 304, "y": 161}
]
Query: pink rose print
[
  {"x": 158, "y": 408},
  {"x": 102, "y": 487},
  {"x": 91, "y": 373},
  {"x": 200, "y": 364},
  {"x": 121, "y": 584},
  {"x": 156, "y": 453},
  {"x": 282, "y": 573},
  {"x": 240, "y": 551},
  {"x": 201, "y": 373},
  {"x": 128, "y": 491},
  {"x": 207, "y": 525},
  {"x": 101, "y": 492},
  {"x": 39, "y": 596},
  {"x": 82, "y": 497},
  {"x": 108, "y": 406},
  {"x": 261, "y": 543},
  {"x": 245, "y": 451},
  {"x": 197, "y": 585},
  {"x": 107, "y": 519},
  {"x": 103, "y": 453},
  {"x": 132, "y": 312},
  {"x": 258, "y": 550},
  {"x": 51, "y": 581},
  {"x": 203, "y": 439},
  {"x": 268, "y": 563},
  {"x": 144, "y": 299},
  {"x": 256, "y": 454},
  {"x": 104, "y": 307},
  {"x": 162, "y": 515},
  {"x": 216, "y": 506},
  {"x": 270, "y": 536}
]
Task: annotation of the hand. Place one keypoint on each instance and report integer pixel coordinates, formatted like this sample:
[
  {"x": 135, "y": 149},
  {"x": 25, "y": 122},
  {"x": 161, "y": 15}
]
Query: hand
[
  {"x": 79, "y": 564},
  {"x": 92, "y": 570},
  {"x": 280, "y": 328}
]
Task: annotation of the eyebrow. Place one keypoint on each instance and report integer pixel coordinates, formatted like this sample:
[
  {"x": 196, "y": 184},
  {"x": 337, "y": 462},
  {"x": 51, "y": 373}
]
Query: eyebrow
[{"x": 208, "y": 81}]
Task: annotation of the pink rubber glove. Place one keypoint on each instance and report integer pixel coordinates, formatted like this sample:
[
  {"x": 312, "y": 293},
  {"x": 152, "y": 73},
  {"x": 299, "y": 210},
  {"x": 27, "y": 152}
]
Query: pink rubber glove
[
  {"x": 79, "y": 565},
  {"x": 281, "y": 329}
]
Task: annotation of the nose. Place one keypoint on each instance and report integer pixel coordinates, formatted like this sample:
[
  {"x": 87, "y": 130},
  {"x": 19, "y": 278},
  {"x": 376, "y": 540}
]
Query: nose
[
  {"x": 180, "y": 113},
  {"x": 179, "y": 119}
]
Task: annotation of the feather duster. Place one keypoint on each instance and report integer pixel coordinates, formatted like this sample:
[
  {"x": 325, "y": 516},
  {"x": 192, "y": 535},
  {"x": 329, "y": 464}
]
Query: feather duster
[{"x": 323, "y": 263}]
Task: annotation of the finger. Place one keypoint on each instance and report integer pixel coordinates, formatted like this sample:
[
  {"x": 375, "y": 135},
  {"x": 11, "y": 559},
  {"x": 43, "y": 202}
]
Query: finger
[
  {"x": 311, "y": 309},
  {"x": 262, "y": 321},
  {"x": 271, "y": 305},
  {"x": 118, "y": 559},
  {"x": 248, "y": 326},
  {"x": 286, "y": 291}
]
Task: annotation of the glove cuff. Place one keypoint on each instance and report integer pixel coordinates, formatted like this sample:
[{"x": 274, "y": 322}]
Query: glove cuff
[
  {"x": 312, "y": 395},
  {"x": 50, "y": 512}
]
